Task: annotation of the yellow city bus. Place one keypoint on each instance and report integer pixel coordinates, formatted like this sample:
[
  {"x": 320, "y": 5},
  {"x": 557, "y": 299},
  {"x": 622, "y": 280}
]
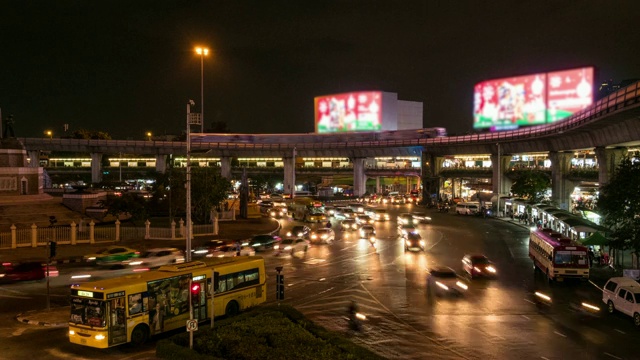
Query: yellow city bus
[{"x": 132, "y": 308}]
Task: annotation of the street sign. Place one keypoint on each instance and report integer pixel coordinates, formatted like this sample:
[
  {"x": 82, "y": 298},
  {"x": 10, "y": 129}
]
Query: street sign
[
  {"x": 195, "y": 119},
  {"x": 192, "y": 325}
]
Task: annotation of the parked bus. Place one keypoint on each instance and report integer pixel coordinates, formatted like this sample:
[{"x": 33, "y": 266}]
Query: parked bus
[
  {"x": 307, "y": 209},
  {"x": 558, "y": 257},
  {"x": 132, "y": 308}
]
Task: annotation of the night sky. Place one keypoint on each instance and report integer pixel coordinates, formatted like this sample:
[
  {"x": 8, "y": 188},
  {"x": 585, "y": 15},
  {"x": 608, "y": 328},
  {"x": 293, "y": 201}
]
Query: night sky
[{"x": 128, "y": 67}]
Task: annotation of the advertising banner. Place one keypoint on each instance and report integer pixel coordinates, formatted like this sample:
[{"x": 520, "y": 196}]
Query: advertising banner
[
  {"x": 355, "y": 111},
  {"x": 508, "y": 103}
]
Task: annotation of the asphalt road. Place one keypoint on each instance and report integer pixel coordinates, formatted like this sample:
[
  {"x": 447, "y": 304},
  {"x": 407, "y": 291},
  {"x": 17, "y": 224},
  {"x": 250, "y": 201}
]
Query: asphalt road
[{"x": 494, "y": 319}]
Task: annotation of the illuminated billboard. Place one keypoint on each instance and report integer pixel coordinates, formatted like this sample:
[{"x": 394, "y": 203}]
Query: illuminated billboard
[
  {"x": 508, "y": 103},
  {"x": 355, "y": 111}
]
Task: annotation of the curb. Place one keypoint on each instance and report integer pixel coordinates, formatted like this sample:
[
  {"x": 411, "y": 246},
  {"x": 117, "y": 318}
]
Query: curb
[
  {"x": 76, "y": 259},
  {"x": 23, "y": 319}
]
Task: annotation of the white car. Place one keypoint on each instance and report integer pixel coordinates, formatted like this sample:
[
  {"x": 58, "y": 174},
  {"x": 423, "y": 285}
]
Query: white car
[
  {"x": 381, "y": 215},
  {"x": 367, "y": 231},
  {"x": 323, "y": 235},
  {"x": 291, "y": 246},
  {"x": 443, "y": 280},
  {"x": 157, "y": 257},
  {"x": 231, "y": 251},
  {"x": 420, "y": 217},
  {"x": 623, "y": 294}
]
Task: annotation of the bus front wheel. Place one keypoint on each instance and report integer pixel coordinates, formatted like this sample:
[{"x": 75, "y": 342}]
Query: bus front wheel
[
  {"x": 140, "y": 335},
  {"x": 232, "y": 308}
]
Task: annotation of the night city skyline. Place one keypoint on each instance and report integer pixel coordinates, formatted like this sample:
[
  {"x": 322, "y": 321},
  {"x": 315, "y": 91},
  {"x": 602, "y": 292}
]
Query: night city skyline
[{"x": 129, "y": 69}]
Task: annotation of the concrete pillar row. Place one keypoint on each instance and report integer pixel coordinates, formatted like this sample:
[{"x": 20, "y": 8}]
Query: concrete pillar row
[
  {"x": 96, "y": 168},
  {"x": 225, "y": 167},
  {"x": 561, "y": 188},
  {"x": 161, "y": 163},
  {"x": 608, "y": 160},
  {"x": 359, "y": 177},
  {"x": 431, "y": 168},
  {"x": 378, "y": 189},
  {"x": 499, "y": 182},
  {"x": 34, "y": 157}
]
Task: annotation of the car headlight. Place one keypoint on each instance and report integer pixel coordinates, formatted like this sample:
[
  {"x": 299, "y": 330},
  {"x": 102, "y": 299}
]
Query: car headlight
[
  {"x": 491, "y": 269},
  {"x": 99, "y": 337},
  {"x": 314, "y": 236},
  {"x": 462, "y": 285},
  {"x": 287, "y": 248},
  {"x": 257, "y": 244},
  {"x": 421, "y": 242},
  {"x": 441, "y": 285},
  {"x": 134, "y": 263},
  {"x": 288, "y": 233},
  {"x": 276, "y": 247},
  {"x": 324, "y": 236},
  {"x": 408, "y": 243}
]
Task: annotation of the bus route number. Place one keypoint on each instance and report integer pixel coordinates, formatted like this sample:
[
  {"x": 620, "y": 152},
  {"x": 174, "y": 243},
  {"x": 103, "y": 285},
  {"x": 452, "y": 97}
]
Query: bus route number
[{"x": 192, "y": 325}]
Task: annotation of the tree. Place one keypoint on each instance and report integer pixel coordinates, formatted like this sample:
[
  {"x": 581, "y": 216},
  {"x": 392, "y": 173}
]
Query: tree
[
  {"x": 619, "y": 205},
  {"x": 127, "y": 204},
  {"x": 90, "y": 134},
  {"x": 531, "y": 184}
]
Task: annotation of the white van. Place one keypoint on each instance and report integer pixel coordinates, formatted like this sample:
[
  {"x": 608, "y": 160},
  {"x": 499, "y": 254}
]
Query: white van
[
  {"x": 467, "y": 208},
  {"x": 623, "y": 294}
]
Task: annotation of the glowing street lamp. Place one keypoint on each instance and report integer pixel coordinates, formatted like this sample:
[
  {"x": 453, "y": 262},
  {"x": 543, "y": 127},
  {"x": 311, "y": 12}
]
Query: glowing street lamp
[
  {"x": 202, "y": 51},
  {"x": 49, "y": 133},
  {"x": 149, "y": 135}
]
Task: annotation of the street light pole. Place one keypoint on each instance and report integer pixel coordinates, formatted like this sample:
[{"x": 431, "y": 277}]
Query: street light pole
[
  {"x": 499, "y": 180},
  {"x": 188, "y": 181},
  {"x": 202, "y": 52}
]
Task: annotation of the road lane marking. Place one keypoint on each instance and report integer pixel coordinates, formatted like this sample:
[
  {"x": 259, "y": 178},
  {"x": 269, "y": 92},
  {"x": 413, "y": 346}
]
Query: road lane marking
[
  {"x": 324, "y": 291},
  {"x": 545, "y": 358},
  {"x": 529, "y": 301},
  {"x": 557, "y": 333},
  {"x": 19, "y": 331},
  {"x": 526, "y": 317},
  {"x": 613, "y": 356},
  {"x": 620, "y": 331},
  {"x": 597, "y": 287}
]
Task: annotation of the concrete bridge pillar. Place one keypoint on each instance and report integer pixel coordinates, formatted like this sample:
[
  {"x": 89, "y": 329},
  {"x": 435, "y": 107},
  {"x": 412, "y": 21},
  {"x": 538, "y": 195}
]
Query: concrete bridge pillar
[
  {"x": 378, "y": 189},
  {"x": 34, "y": 158},
  {"x": 431, "y": 168},
  {"x": 96, "y": 167},
  {"x": 359, "y": 178},
  {"x": 225, "y": 167},
  {"x": 500, "y": 183},
  {"x": 289, "y": 162},
  {"x": 561, "y": 188},
  {"x": 608, "y": 160},
  {"x": 161, "y": 164}
]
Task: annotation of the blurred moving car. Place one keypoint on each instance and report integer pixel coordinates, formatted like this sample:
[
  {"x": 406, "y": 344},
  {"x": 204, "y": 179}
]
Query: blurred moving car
[
  {"x": 349, "y": 225},
  {"x": 264, "y": 242},
  {"x": 299, "y": 231},
  {"x": 406, "y": 229},
  {"x": 367, "y": 231},
  {"x": 323, "y": 235},
  {"x": 345, "y": 213},
  {"x": 413, "y": 241},
  {"x": 381, "y": 215},
  {"x": 231, "y": 251},
  {"x": 112, "y": 255},
  {"x": 444, "y": 281},
  {"x": 405, "y": 218},
  {"x": 420, "y": 217},
  {"x": 330, "y": 210},
  {"x": 291, "y": 246},
  {"x": 364, "y": 219},
  {"x": 278, "y": 212},
  {"x": 398, "y": 200},
  {"x": 157, "y": 257},
  {"x": 26, "y": 271},
  {"x": 478, "y": 265}
]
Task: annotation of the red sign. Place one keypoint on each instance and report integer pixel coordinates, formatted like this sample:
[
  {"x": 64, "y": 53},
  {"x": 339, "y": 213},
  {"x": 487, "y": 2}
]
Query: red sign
[{"x": 568, "y": 91}]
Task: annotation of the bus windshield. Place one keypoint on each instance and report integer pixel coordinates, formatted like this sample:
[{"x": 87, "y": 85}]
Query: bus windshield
[
  {"x": 87, "y": 312},
  {"x": 572, "y": 258}
]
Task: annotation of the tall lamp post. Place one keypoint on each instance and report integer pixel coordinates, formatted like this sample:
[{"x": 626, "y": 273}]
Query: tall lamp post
[
  {"x": 188, "y": 181},
  {"x": 202, "y": 51}
]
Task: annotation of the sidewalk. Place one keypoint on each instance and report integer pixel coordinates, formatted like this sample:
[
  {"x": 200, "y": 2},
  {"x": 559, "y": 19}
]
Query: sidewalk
[{"x": 59, "y": 316}]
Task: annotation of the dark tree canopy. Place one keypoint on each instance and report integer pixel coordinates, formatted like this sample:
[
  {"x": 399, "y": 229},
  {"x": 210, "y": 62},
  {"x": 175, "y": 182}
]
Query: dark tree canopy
[
  {"x": 619, "y": 205},
  {"x": 531, "y": 185}
]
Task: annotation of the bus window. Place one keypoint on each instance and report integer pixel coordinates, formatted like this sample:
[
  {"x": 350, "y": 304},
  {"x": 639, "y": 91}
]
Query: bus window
[
  {"x": 137, "y": 304},
  {"x": 88, "y": 312}
]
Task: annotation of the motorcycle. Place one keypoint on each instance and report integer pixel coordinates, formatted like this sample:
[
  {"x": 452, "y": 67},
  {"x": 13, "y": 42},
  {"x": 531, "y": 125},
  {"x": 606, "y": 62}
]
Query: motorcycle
[
  {"x": 444, "y": 208},
  {"x": 355, "y": 318}
]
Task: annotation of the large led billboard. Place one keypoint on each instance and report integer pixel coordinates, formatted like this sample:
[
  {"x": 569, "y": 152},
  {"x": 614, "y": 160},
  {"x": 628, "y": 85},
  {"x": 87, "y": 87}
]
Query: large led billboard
[
  {"x": 355, "y": 111},
  {"x": 508, "y": 103}
]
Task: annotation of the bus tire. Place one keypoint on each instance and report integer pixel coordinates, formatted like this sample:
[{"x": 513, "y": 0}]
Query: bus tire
[
  {"x": 610, "y": 307},
  {"x": 140, "y": 334},
  {"x": 232, "y": 308}
]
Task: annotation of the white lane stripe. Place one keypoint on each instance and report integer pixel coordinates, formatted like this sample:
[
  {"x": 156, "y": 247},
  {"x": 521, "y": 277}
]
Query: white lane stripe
[
  {"x": 613, "y": 356},
  {"x": 620, "y": 331},
  {"x": 545, "y": 358},
  {"x": 529, "y": 301},
  {"x": 563, "y": 335},
  {"x": 526, "y": 317},
  {"x": 597, "y": 287}
]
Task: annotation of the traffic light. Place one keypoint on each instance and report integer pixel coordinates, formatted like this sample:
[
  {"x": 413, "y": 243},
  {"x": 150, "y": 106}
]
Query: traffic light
[
  {"x": 52, "y": 249},
  {"x": 195, "y": 293},
  {"x": 280, "y": 286}
]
